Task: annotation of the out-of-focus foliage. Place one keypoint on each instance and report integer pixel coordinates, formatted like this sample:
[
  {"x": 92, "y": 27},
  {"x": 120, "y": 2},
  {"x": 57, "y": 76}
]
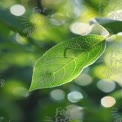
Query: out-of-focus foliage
[
  {"x": 33, "y": 27},
  {"x": 65, "y": 61}
]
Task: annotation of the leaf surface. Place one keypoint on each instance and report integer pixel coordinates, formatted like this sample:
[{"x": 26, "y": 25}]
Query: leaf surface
[{"x": 65, "y": 61}]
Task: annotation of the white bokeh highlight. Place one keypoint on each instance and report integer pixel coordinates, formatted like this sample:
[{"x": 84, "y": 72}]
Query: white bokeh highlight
[
  {"x": 80, "y": 28},
  {"x": 83, "y": 80},
  {"x": 108, "y": 101},
  {"x": 17, "y": 10},
  {"x": 57, "y": 94},
  {"x": 106, "y": 86},
  {"x": 74, "y": 96}
]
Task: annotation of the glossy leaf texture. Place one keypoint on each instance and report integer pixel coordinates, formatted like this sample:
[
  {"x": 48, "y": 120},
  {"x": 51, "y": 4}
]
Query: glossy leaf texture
[
  {"x": 113, "y": 26},
  {"x": 65, "y": 61}
]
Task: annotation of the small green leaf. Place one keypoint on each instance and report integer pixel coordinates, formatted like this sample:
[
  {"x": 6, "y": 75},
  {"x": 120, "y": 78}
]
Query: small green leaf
[
  {"x": 65, "y": 61},
  {"x": 113, "y": 26}
]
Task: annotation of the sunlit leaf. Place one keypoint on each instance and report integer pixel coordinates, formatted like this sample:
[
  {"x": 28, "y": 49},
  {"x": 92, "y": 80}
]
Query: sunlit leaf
[{"x": 65, "y": 61}]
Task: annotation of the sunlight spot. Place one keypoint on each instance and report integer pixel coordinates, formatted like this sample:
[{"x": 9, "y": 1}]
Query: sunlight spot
[
  {"x": 57, "y": 94},
  {"x": 74, "y": 96},
  {"x": 17, "y": 10},
  {"x": 119, "y": 34},
  {"x": 116, "y": 15},
  {"x": 83, "y": 80},
  {"x": 80, "y": 28},
  {"x": 106, "y": 86},
  {"x": 108, "y": 101}
]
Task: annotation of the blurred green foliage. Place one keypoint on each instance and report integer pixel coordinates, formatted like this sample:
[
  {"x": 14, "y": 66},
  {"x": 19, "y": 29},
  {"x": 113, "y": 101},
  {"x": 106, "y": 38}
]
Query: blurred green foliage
[{"x": 23, "y": 39}]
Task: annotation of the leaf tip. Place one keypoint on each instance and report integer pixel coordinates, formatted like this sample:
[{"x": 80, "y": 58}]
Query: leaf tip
[{"x": 31, "y": 88}]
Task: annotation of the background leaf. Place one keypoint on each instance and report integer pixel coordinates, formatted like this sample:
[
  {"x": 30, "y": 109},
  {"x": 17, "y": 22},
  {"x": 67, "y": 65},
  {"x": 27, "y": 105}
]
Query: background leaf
[
  {"x": 65, "y": 61},
  {"x": 113, "y": 26}
]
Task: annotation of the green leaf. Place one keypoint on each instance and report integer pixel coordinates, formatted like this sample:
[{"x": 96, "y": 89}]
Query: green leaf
[
  {"x": 65, "y": 61},
  {"x": 113, "y": 26}
]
